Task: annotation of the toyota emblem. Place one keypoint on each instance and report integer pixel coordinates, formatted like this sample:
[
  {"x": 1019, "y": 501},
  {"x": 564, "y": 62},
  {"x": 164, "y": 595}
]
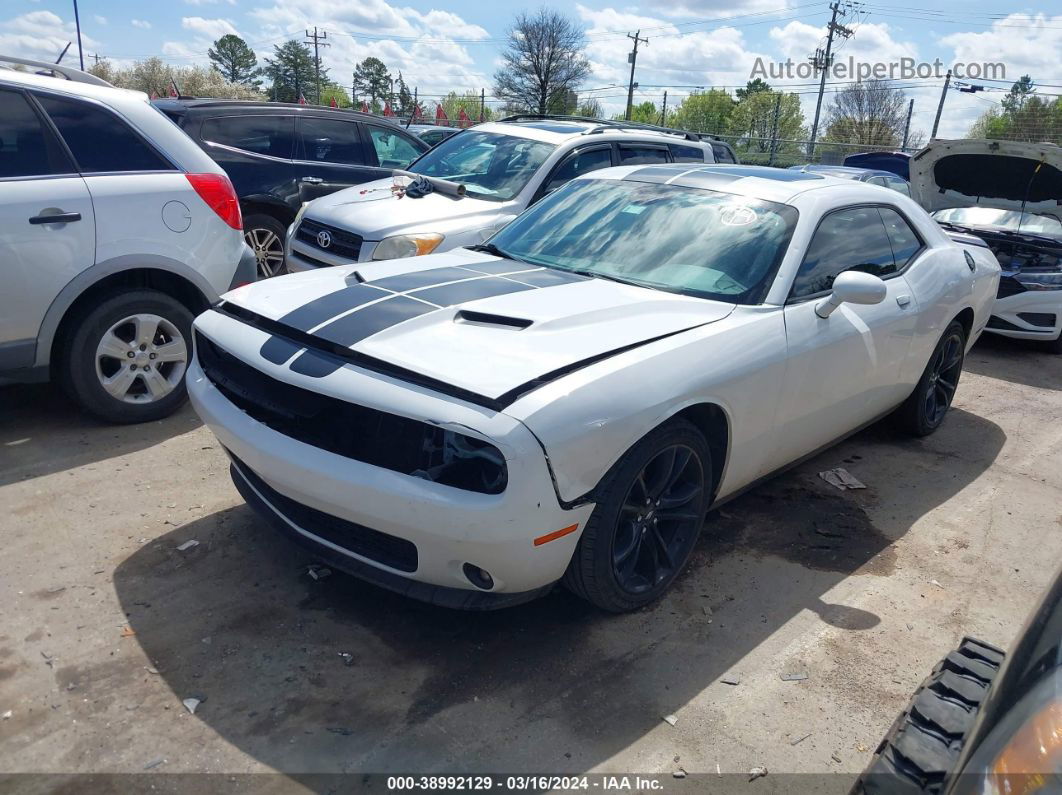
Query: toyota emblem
[{"x": 324, "y": 238}]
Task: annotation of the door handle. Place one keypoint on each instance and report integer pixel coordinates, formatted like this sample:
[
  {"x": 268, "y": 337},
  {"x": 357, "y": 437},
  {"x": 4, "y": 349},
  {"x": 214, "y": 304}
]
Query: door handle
[
  {"x": 903, "y": 300},
  {"x": 59, "y": 218},
  {"x": 312, "y": 180}
]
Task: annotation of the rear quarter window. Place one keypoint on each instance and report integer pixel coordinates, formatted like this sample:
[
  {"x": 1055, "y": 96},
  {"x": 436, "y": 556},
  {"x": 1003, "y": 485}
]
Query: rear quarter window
[
  {"x": 686, "y": 154},
  {"x": 261, "y": 135}
]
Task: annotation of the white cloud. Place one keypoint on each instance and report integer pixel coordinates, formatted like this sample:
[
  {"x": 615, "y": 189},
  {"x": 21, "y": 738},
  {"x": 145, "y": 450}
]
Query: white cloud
[
  {"x": 209, "y": 2},
  {"x": 41, "y": 35},
  {"x": 100, "y": 20},
  {"x": 210, "y": 28},
  {"x": 140, "y": 23},
  {"x": 1025, "y": 44}
]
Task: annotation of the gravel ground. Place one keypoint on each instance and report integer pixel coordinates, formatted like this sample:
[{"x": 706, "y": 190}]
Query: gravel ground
[{"x": 107, "y": 626}]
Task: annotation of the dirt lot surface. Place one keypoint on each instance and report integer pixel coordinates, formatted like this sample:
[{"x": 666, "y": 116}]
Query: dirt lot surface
[{"x": 106, "y": 626}]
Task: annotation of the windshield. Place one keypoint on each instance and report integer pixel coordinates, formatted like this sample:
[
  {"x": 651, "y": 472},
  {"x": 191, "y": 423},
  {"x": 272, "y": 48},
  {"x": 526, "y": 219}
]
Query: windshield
[
  {"x": 1033, "y": 223},
  {"x": 686, "y": 240},
  {"x": 490, "y": 165}
]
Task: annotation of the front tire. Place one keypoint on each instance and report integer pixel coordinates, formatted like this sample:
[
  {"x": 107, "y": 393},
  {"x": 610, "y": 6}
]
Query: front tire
[
  {"x": 924, "y": 411},
  {"x": 647, "y": 520},
  {"x": 265, "y": 235},
  {"x": 126, "y": 357}
]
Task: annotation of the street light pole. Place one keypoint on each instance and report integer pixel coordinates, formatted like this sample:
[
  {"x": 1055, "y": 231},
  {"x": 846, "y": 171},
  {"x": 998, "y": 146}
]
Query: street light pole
[{"x": 77, "y": 23}]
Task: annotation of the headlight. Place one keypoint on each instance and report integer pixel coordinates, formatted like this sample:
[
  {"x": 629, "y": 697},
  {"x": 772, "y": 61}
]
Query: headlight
[
  {"x": 1040, "y": 281},
  {"x": 401, "y": 246},
  {"x": 462, "y": 461}
]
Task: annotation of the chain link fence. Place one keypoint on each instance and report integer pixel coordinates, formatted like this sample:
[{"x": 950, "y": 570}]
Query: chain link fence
[{"x": 785, "y": 152}]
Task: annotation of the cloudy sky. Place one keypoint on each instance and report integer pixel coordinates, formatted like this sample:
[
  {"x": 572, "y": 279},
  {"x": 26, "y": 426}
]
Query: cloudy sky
[{"x": 454, "y": 44}]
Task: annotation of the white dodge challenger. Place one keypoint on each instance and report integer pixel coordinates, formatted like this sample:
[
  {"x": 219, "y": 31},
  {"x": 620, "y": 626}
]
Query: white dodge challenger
[{"x": 567, "y": 401}]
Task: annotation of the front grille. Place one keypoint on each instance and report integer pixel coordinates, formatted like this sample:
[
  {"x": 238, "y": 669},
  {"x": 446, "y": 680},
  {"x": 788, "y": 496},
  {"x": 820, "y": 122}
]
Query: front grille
[
  {"x": 343, "y": 244},
  {"x": 1009, "y": 286},
  {"x": 398, "y": 553},
  {"x": 1042, "y": 319},
  {"x": 347, "y": 429}
]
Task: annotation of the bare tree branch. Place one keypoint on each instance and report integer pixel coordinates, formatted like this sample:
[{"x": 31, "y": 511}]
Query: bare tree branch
[{"x": 543, "y": 62}]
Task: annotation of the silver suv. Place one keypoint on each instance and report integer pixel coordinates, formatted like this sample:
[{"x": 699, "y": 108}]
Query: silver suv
[{"x": 504, "y": 167}]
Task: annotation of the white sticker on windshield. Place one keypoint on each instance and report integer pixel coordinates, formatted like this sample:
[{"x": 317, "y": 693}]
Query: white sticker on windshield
[
  {"x": 737, "y": 216},
  {"x": 634, "y": 209}
]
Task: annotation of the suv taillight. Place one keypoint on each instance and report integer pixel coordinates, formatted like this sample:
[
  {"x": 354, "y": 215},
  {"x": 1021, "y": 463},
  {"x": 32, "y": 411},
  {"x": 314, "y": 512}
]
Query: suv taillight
[{"x": 220, "y": 196}]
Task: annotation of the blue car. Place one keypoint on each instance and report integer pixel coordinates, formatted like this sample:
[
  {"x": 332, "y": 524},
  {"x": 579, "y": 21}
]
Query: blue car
[
  {"x": 898, "y": 163},
  {"x": 872, "y": 176}
]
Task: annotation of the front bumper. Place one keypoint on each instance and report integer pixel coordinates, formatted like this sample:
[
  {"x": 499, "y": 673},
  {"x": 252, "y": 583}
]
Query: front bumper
[
  {"x": 448, "y": 526},
  {"x": 1013, "y": 315}
]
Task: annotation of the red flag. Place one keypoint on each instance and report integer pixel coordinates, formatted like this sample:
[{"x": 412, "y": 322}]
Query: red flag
[
  {"x": 364, "y": 106},
  {"x": 333, "y": 103},
  {"x": 440, "y": 114},
  {"x": 302, "y": 99},
  {"x": 463, "y": 119},
  {"x": 416, "y": 111},
  {"x": 173, "y": 89},
  {"x": 387, "y": 109}
]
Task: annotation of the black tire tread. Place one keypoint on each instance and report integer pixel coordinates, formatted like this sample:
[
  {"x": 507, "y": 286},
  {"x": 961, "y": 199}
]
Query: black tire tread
[
  {"x": 925, "y": 740},
  {"x": 908, "y": 417}
]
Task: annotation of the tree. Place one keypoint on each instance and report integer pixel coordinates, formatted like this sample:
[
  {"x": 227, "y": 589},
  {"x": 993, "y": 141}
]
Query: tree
[
  {"x": 1034, "y": 119},
  {"x": 153, "y": 76},
  {"x": 591, "y": 109},
  {"x": 644, "y": 112},
  {"x": 291, "y": 71},
  {"x": 330, "y": 91},
  {"x": 403, "y": 97},
  {"x": 1019, "y": 92},
  {"x": 372, "y": 81},
  {"x": 753, "y": 118},
  {"x": 704, "y": 111},
  {"x": 752, "y": 87},
  {"x": 543, "y": 62},
  {"x": 869, "y": 113},
  {"x": 236, "y": 62},
  {"x": 453, "y": 103}
]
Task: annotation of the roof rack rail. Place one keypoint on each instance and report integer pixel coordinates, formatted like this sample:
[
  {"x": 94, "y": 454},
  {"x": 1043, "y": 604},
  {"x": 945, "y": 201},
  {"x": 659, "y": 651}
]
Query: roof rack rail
[
  {"x": 68, "y": 72},
  {"x": 602, "y": 125}
]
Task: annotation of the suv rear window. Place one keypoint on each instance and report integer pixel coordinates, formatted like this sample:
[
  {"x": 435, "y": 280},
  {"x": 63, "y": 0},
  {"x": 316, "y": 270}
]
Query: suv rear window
[
  {"x": 100, "y": 140},
  {"x": 261, "y": 135},
  {"x": 686, "y": 154},
  {"x": 722, "y": 153},
  {"x": 632, "y": 154},
  {"x": 26, "y": 148}
]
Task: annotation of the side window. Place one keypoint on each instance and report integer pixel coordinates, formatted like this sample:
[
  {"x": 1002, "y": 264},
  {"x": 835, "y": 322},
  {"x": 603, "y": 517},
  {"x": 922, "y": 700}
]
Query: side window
[
  {"x": 899, "y": 185},
  {"x": 632, "y": 154},
  {"x": 877, "y": 181},
  {"x": 722, "y": 154},
  {"x": 578, "y": 163},
  {"x": 905, "y": 242},
  {"x": 330, "y": 141},
  {"x": 853, "y": 239},
  {"x": 392, "y": 150},
  {"x": 686, "y": 154},
  {"x": 260, "y": 135},
  {"x": 27, "y": 149},
  {"x": 99, "y": 139}
]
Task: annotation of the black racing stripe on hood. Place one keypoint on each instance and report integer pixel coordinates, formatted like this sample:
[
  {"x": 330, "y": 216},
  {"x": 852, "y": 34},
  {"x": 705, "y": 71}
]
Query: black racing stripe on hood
[
  {"x": 321, "y": 310},
  {"x": 278, "y": 350},
  {"x": 460, "y": 292},
  {"x": 499, "y": 267},
  {"x": 546, "y": 278},
  {"x": 315, "y": 365},
  {"x": 413, "y": 280},
  {"x": 361, "y": 323}
]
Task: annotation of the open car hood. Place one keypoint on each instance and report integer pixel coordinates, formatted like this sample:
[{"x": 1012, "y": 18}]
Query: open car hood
[
  {"x": 987, "y": 173},
  {"x": 479, "y": 325}
]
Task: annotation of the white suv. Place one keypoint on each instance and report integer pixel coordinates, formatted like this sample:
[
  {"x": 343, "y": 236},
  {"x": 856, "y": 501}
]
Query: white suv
[
  {"x": 504, "y": 167},
  {"x": 115, "y": 230}
]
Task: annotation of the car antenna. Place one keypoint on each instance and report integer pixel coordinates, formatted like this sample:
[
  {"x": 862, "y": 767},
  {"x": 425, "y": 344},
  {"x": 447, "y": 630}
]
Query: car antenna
[{"x": 1028, "y": 190}]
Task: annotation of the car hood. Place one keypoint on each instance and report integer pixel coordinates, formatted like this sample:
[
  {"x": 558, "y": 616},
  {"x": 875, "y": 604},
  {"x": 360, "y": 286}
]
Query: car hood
[
  {"x": 374, "y": 211},
  {"x": 489, "y": 327},
  {"x": 986, "y": 173}
]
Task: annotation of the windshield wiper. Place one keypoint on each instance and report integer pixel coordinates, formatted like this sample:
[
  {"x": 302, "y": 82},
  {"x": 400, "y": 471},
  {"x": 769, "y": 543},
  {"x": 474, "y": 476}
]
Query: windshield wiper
[
  {"x": 611, "y": 278},
  {"x": 490, "y": 248}
]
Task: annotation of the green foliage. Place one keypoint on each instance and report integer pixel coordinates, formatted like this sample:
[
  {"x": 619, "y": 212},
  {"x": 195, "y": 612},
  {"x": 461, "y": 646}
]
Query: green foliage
[
  {"x": 236, "y": 61},
  {"x": 291, "y": 72},
  {"x": 591, "y": 108},
  {"x": 403, "y": 98},
  {"x": 752, "y": 87},
  {"x": 1034, "y": 119},
  {"x": 372, "y": 82},
  {"x": 453, "y": 102},
  {"x": 644, "y": 112},
  {"x": 330, "y": 91},
  {"x": 703, "y": 111},
  {"x": 753, "y": 118}
]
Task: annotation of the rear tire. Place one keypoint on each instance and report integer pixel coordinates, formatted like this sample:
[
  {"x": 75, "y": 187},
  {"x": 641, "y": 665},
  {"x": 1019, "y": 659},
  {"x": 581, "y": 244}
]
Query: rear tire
[
  {"x": 125, "y": 358},
  {"x": 649, "y": 514},
  {"x": 265, "y": 235},
  {"x": 924, "y": 411},
  {"x": 924, "y": 742}
]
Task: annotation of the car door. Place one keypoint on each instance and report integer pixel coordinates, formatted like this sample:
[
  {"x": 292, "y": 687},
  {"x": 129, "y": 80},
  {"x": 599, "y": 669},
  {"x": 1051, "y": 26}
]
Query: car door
[
  {"x": 255, "y": 149},
  {"x": 581, "y": 160},
  {"x": 330, "y": 154},
  {"x": 47, "y": 226},
  {"x": 845, "y": 370}
]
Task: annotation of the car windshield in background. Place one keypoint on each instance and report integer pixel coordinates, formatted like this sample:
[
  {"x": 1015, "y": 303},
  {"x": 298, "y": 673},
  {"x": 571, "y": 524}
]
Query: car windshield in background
[
  {"x": 669, "y": 237},
  {"x": 490, "y": 165},
  {"x": 1013, "y": 220}
]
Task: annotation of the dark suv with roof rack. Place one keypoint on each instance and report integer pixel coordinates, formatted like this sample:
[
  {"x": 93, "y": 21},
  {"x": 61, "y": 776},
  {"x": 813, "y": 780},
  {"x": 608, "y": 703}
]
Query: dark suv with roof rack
[{"x": 280, "y": 155}]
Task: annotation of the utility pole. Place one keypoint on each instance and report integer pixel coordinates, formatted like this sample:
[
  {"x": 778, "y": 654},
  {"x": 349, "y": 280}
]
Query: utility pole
[
  {"x": 318, "y": 41},
  {"x": 482, "y": 104},
  {"x": 633, "y": 58},
  {"x": 907, "y": 125},
  {"x": 774, "y": 127},
  {"x": 416, "y": 107},
  {"x": 822, "y": 60},
  {"x": 77, "y": 23},
  {"x": 663, "y": 111},
  {"x": 96, "y": 58},
  {"x": 940, "y": 107}
]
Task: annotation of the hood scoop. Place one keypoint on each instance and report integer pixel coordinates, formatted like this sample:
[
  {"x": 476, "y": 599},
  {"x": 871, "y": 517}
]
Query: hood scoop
[{"x": 488, "y": 319}]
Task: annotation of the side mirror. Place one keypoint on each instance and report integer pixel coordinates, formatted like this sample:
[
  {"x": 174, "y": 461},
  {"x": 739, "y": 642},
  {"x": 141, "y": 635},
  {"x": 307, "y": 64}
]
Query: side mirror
[{"x": 852, "y": 287}]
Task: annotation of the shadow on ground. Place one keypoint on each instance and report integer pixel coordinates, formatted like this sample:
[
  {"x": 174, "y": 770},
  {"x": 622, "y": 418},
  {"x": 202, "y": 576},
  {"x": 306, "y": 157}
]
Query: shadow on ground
[
  {"x": 43, "y": 432},
  {"x": 338, "y": 676},
  {"x": 1018, "y": 361}
]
